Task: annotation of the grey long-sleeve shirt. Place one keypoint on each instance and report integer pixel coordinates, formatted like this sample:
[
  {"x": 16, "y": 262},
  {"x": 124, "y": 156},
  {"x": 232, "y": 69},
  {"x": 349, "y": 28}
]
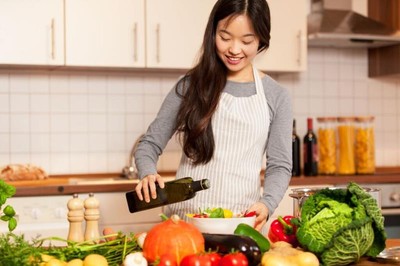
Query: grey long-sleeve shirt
[{"x": 279, "y": 142}]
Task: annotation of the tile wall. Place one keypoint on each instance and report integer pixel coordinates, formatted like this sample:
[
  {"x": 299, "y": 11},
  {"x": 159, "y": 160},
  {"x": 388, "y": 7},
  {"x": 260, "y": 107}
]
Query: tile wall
[{"x": 87, "y": 122}]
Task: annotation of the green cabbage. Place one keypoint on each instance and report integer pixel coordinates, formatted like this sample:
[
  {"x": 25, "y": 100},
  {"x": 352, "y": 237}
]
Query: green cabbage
[{"x": 341, "y": 225}]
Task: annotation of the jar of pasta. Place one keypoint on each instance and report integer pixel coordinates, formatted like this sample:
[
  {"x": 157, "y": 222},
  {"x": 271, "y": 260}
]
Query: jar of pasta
[
  {"x": 346, "y": 144},
  {"x": 327, "y": 145},
  {"x": 365, "y": 145}
]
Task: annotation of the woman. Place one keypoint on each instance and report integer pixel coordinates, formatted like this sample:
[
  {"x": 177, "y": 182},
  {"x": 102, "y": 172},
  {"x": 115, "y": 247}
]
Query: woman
[{"x": 228, "y": 115}]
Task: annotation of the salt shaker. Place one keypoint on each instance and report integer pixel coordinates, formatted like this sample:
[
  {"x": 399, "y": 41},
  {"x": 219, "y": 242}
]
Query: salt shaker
[
  {"x": 75, "y": 218},
  {"x": 92, "y": 216}
]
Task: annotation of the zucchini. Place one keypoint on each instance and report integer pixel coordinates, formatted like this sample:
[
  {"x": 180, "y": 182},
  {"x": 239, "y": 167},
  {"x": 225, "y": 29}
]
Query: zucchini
[
  {"x": 247, "y": 230},
  {"x": 224, "y": 244}
]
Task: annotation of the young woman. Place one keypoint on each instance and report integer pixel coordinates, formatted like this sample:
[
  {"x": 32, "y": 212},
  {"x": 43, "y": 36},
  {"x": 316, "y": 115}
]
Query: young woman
[{"x": 228, "y": 116}]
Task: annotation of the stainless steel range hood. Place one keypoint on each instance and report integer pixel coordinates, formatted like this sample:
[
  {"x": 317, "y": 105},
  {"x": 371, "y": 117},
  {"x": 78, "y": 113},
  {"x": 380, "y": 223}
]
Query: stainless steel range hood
[{"x": 333, "y": 23}]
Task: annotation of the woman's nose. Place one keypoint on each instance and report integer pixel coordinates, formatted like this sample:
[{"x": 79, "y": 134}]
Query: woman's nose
[{"x": 234, "y": 49}]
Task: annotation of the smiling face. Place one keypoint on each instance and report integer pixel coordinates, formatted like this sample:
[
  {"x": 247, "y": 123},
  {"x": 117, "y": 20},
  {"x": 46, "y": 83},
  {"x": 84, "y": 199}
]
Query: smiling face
[{"x": 236, "y": 45}]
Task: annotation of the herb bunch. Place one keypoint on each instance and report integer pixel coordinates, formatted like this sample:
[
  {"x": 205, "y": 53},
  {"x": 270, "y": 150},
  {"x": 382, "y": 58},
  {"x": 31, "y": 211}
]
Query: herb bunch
[{"x": 7, "y": 214}]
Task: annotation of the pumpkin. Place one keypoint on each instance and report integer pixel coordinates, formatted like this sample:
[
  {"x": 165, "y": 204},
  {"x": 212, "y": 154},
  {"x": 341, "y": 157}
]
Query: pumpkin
[{"x": 174, "y": 237}]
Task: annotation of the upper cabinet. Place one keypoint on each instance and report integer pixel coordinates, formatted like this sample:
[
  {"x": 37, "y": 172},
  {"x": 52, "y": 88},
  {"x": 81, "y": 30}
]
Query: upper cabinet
[
  {"x": 157, "y": 34},
  {"x": 104, "y": 33},
  {"x": 288, "y": 44},
  {"x": 32, "y": 32},
  {"x": 385, "y": 61},
  {"x": 175, "y": 30}
]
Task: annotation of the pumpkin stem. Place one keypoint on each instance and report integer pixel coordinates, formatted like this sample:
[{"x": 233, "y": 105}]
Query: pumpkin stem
[
  {"x": 175, "y": 218},
  {"x": 163, "y": 217}
]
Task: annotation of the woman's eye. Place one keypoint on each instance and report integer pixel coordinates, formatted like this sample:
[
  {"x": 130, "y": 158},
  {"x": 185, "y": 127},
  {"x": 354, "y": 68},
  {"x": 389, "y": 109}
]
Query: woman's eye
[
  {"x": 224, "y": 39},
  {"x": 247, "y": 42}
]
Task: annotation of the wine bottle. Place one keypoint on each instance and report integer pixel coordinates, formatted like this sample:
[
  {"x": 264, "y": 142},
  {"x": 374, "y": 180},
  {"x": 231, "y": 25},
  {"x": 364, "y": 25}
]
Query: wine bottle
[
  {"x": 296, "y": 171},
  {"x": 310, "y": 151},
  {"x": 174, "y": 191}
]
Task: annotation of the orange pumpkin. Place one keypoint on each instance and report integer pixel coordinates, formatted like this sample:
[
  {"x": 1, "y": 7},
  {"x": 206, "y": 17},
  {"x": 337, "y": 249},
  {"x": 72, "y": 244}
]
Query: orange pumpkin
[{"x": 175, "y": 237}]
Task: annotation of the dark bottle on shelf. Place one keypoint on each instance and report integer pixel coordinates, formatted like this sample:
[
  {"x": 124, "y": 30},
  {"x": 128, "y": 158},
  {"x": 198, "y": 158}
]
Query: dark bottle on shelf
[
  {"x": 174, "y": 191},
  {"x": 296, "y": 171},
  {"x": 310, "y": 151}
]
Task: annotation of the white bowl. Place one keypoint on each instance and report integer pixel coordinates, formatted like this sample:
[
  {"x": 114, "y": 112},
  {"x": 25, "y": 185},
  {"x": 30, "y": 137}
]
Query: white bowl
[{"x": 220, "y": 225}]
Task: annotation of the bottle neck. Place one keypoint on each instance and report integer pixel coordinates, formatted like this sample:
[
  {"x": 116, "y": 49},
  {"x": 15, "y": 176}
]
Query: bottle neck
[
  {"x": 294, "y": 127},
  {"x": 309, "y": 124},
  {"x": 200, "y": 185}
]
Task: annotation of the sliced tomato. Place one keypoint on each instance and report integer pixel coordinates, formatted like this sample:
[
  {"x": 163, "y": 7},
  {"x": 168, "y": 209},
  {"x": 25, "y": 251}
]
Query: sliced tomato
[{"x": 234, "y": 259}]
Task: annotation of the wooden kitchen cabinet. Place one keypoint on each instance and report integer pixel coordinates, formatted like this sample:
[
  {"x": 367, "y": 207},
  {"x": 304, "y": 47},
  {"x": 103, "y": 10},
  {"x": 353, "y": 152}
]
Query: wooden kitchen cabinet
[
  {"x": 31, "y": 32},
  {"x": 385, "y": 61},
  {"x": 104, "y": 33},
  {"x": 288, "y": 44},
  {"x": 175, "y": 30},
  {"x": 145, "y": 34}
]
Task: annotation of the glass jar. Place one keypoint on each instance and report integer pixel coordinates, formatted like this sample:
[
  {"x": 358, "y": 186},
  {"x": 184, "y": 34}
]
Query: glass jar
[
  {"x": 346, "y": 153},
  {"x": 365, "y": 145},
  {"x": 327, "y": 145}
]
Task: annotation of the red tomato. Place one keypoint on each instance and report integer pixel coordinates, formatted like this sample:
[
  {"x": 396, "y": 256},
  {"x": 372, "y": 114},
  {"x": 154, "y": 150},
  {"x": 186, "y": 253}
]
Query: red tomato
[
  {"x": 167, "y": 260},
  {"x": 234, "y": 259},
  {"x": 214, "y": 258},
  {"x": 196, "y": 260}
]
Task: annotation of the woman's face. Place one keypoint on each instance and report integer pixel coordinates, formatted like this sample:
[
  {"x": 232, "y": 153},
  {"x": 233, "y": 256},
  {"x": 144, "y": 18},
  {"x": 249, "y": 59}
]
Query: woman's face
[{"x": 236, "y": 44}]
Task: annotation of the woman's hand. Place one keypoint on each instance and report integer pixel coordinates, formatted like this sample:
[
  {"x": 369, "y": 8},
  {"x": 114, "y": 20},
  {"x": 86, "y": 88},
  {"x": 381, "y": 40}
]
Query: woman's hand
[
  {"x": 261, "y": 214},
  {"x": 148, "y": 186}
]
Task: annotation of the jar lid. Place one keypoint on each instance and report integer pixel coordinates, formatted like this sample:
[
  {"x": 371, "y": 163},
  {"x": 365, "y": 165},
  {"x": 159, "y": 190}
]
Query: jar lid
[
  {"x": 346, "y": 118},
  {"x": 327, "y": 119},
  {"x": 365, "y": 118}
]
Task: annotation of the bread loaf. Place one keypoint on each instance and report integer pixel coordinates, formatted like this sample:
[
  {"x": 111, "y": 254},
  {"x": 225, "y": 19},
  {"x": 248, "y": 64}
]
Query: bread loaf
[{"x": 19, "y": 172}]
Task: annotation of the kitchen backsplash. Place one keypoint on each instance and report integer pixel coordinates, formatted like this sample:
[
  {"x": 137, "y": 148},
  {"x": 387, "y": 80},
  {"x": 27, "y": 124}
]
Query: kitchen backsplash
[{"x": 87, "y": 122}]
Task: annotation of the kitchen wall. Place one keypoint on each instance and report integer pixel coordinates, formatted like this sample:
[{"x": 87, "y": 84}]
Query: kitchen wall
[{"x": 87, "y": 122}]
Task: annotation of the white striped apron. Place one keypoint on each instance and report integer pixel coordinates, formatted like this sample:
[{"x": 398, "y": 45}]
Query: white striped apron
[{"x": 240, "y": 127}]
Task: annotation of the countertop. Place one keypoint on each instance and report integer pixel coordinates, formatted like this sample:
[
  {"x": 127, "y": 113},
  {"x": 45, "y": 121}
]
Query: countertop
[
  {"x": 113, "y": 182},
  {"x": 371, "y": 262}
]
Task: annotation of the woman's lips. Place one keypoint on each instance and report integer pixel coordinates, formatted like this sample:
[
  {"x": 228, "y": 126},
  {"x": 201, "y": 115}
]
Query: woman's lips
[{"x": 233, "y": 60}]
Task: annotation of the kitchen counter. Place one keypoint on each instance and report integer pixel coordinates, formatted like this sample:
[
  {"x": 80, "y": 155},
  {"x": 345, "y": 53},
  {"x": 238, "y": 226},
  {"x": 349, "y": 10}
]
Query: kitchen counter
[
  {"x": 113, "y": 182},
  {"x": 370, "y": 262}
]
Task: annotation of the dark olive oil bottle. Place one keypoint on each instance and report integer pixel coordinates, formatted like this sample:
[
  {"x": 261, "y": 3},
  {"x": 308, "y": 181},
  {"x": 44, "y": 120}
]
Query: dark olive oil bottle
[
  {"x": 174, "y": 191},
  {"x": 310, "y": 151},
  {"x": 296, "y": 171}
]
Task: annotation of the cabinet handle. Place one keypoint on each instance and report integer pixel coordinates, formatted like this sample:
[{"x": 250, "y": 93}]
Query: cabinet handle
[
  {"x": 52, "y": 40},
  {"x": 135, "y": 42},
  {"x": 300, "y": 46},
  {"x": 158, "y": 43}
]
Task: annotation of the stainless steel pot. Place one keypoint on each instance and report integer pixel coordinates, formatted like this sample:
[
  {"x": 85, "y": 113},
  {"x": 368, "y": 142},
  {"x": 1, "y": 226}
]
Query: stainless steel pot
[{"x": 300, "y": 195}]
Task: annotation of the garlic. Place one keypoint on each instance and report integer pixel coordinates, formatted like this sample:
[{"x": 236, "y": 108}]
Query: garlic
[{"x": 135, "y": 259}]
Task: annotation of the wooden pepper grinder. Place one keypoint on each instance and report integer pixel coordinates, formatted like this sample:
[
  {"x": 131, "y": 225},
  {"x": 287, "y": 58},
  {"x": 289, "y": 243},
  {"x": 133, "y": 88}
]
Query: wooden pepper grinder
[
  {"x": 92, "y": 216},
  {"x": 75, "y": 218}
]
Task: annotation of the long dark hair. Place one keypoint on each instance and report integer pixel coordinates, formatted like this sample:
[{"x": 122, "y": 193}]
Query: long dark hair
[{"x": 204, "y": 83}]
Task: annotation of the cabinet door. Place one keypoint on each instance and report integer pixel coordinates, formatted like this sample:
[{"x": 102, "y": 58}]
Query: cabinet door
[
  {"x": 175, "y": 30},
  {"x": 31, "y": 32},
  {"x": 105, "y": 33},
  {"x": 288, "y": 44}
]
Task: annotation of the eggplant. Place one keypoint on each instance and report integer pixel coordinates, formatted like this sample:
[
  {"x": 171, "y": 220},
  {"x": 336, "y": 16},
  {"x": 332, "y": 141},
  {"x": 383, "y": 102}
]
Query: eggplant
[{"x": 224, "y": 244}]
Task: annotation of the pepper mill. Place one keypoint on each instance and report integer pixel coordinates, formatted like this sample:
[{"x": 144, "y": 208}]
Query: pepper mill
[
  {"x": 75, "y": 218},
  {"x": 92, "y": 216}
]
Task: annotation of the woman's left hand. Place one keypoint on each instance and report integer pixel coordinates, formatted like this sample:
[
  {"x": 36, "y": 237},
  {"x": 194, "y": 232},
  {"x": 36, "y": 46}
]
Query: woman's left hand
[{"x": 261, "y": 214}]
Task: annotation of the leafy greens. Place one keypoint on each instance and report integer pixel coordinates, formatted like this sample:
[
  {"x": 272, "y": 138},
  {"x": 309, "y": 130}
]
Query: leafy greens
[
  {"x": 7, "y": 214},
  {"x": 341, "y": 225}
]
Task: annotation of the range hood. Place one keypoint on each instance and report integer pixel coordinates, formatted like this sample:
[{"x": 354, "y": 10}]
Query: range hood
[{"x": 334, "y": 23}]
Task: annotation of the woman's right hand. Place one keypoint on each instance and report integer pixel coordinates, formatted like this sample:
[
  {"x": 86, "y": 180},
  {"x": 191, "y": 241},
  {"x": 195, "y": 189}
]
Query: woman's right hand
[{"x": 147, "y": 187}]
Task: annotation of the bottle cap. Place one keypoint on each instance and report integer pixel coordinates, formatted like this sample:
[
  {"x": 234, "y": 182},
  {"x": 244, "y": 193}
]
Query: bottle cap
[{"x": 205, "y": 183}]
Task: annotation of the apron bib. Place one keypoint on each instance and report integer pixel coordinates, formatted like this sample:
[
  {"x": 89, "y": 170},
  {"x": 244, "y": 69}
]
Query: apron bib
[{"x": 240, "y": 127}]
